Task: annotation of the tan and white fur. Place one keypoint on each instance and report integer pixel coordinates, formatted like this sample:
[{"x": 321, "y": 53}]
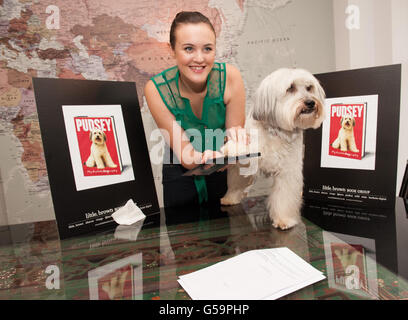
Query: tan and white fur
[
  {"x": 345, "y": 140},
  {"x": 99, "y": 156},
  {"x": 287, "y": 102}
]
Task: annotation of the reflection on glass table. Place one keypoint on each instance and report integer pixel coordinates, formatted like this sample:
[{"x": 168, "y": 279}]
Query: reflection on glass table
[{"x": 360, "y": 252}]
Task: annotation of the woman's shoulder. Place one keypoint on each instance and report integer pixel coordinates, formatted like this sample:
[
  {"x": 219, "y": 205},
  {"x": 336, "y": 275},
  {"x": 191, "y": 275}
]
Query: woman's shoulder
[
  {"x": 149, "y": 86},
  {"x": 234, "y": 82},
  {"x": 231, "y": 69},
  {"x": 232, "y": 74},
  {"x": 162, "y": 77}
]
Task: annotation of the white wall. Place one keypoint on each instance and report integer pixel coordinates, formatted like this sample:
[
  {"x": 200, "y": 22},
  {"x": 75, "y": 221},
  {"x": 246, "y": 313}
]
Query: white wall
[
  {"x": 399, "y": 11},
  {"x": 381, "y": 40}
]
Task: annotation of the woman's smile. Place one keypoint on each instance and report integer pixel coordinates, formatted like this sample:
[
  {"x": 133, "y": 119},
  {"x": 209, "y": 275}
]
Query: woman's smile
[{"x": 197, "y": 69}]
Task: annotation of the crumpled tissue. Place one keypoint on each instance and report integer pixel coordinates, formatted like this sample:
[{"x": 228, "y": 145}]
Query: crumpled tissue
[{"x": 129, "y": 214}]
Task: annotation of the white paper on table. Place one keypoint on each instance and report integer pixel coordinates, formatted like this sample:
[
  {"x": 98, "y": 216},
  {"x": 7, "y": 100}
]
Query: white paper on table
[
  {"x": 295, "y": 288},
  {"x": 253, "y": 275},
  {"x": 128, "y": 214}
]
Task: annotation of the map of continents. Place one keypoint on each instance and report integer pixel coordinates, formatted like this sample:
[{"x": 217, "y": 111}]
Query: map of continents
[{"x": 122, "y": 40}]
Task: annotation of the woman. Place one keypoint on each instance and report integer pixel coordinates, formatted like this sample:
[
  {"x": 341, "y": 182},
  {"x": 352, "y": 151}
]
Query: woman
[{"x": 194, "y": 103}]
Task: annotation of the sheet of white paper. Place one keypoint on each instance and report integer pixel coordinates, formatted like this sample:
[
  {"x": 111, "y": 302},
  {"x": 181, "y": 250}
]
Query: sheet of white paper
[
  {"x": 128, "y": 214},
  {"x": 295, "y": 288},
  {"x": 253, "y": 275}
]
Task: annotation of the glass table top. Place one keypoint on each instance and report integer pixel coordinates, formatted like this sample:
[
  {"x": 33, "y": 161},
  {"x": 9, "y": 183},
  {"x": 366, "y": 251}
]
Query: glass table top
[{"x": 362, "y": 253}]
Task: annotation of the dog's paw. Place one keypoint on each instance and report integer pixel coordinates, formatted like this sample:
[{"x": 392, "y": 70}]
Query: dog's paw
[
  {"x": 284, "y": 224},
  {"x": 90, "y": 163},
  {"x": 233, "y": 148},
  {"x": 230, "y": 201}
]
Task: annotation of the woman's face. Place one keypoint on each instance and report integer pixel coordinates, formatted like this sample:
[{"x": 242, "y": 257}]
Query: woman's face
[{"x": 194, "y": 51}]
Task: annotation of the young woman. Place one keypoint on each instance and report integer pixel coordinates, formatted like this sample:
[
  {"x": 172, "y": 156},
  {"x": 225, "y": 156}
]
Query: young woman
[{"x": 196, "y": 104}]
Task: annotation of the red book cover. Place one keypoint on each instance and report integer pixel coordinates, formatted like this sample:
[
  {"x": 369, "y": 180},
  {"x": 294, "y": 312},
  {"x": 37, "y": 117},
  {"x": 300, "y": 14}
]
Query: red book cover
[
  {"x": 350, "y": 270},
  {"x": 98, "y": 145},
  {"x": 116, "y": 285},
  {"x": 348, "y": 130}
]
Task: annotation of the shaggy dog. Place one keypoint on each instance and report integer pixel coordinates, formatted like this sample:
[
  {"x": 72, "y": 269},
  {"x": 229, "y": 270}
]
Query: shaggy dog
[
  {"x": 287, "y": 102},
  {"x": 345, "y": 140},
  {"x": 99, "y": 152}
]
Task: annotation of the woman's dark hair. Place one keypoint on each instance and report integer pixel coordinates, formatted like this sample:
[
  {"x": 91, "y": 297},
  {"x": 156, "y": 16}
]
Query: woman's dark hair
[{"x": 187, "y": 17}]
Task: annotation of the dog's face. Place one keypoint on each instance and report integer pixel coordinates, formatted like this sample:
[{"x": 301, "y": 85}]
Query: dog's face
[
  {"x": 290, "y": 99},
  {"x": 348, "y": 123},
  {"x": 97, "y": 137}
]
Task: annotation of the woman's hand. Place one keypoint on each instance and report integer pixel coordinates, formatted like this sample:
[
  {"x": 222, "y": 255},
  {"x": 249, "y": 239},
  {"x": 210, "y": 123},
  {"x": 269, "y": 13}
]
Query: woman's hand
[
  {"x": 208, "y": 155},
  {"x": 238, "y": 136}
]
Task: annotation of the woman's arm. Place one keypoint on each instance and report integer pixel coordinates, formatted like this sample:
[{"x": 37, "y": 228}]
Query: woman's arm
[
  {"x": 174, "y": 135},
  {"x": 234, "y": 99}
]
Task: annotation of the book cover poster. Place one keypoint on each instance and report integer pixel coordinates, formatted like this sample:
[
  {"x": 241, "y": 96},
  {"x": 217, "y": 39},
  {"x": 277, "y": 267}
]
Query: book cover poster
[
  {"x": 352, "y": 178},
  {"x": 98, "y": 145},
  {"x": 349, "y": 133},
  {"x": 347, "y": 130},
  {"x": 119, "y": 280},
  {"x": 95, "y": 150},
  {"x": 351, "y": 264}
]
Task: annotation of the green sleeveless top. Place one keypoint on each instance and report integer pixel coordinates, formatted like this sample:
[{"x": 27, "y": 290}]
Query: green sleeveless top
[{"x": 206, "y": 133}]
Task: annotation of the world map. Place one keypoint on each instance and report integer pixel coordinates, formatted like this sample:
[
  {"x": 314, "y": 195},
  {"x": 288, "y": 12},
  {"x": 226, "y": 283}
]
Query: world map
[{"x": 122, "y": 40}]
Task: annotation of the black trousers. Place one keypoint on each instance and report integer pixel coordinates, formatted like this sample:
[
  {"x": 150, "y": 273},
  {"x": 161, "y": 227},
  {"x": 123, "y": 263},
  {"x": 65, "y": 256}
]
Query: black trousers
[
  {"x": 181, "y": 198},
  {"x": 181, "y": 191}
]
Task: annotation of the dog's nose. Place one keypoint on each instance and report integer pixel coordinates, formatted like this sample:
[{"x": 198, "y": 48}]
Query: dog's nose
[{"x": 310, "y": 104}]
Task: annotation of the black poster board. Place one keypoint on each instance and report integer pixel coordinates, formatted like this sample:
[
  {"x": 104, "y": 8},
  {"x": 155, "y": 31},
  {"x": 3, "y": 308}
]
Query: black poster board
[
  {"x": 338, "y": 179},
  {"x": 85, "y": 200},
  {"x": 359, "y": 226},
  {"x": 115, "y": 261},
  {"x": 404, "y": 185}
]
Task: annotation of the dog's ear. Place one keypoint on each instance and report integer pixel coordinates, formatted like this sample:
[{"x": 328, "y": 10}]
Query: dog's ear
[
  {"x": 90, "y": 135},
  {"x": 265, "y": 103},
  {"x": 320, "y": 91},
  {"x": 354, "y": 122},
  {"x": 341, "y": 121},
  {"x": 104, "y": 136}
]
